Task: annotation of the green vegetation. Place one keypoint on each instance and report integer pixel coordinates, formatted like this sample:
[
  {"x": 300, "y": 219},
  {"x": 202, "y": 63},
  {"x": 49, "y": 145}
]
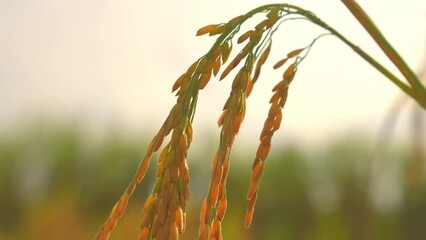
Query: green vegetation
[{"x": 56, "y": 184}]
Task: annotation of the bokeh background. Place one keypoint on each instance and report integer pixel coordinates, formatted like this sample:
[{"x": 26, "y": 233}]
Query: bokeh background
[{"x": 84, "y": 85}]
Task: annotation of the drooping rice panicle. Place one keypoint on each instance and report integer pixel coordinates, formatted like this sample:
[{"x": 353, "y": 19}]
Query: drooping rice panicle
[
  {"x": 210, "y": 219},
  {"x": 272, "y": 124},
  {"x": 214, "y": 205},
  {"x": 164, "y": 211}
]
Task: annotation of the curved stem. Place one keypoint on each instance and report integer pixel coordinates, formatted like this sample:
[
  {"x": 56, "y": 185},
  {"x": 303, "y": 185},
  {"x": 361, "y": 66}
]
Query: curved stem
[
  {"x": 416, "y": 91},
  {"x": 387, "y": 48},
  {"x": 368, "y": 58}
]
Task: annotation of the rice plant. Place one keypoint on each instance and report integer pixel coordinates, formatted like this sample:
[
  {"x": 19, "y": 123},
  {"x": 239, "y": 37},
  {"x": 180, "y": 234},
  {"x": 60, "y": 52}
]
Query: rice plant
[{"x": 164, "y": 212}]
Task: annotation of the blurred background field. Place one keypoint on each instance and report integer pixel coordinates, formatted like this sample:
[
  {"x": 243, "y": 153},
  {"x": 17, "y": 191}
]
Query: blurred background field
[{"x": 58, "y": 182}]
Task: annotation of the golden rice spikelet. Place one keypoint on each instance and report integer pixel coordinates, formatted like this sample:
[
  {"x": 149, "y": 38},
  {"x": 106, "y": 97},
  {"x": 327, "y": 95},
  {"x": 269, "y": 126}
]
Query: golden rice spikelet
[
  {"x": 262, "y": 25},
  {"x": 226, "y": 51},
  {"x": 218, "y": 30},
  {"x": 189, "y": 133},
  {"x": 214, "y": 193},
  {"x": 221, "y": 118},
  {"x": 222, "y": 208},
  {"x": 226, "y": 164},
  {"x": 247, "y": 49},
  {"x": 205, "y": 78},
  {"x": 148, "y": 203},
  {"x": 251, "y": 203},
  {"x": 222, "y": 192},
  {"x": 192, "y": 68},
  {"x": 180, "y": 81},
  {"x": 251, "y": 59},
  {"x": 206, "y": 29},
  {"x": 289, "y": 73},
  {"x": 245, "y": 36},
  {"x": 295, "y": 52},
  {"x": 231, "y": 66},
  {"x": 291, "y": 54},
  {"x": 184, "y": 172},
  {"x": 249, "y": 218},
  {"x": 204, "y": 217},
  {"x": 202, "y": 64},
  {"x": 216, "y": 230},
  {"x": 132, "y": 186},
  {"x": 180, "y": 225},
  {"x": 262, "y": 59},
  {"x": 255, "y": 37},
  {"x": 121, "y": 206},
  {"x": 250, "y": 84},
  {"x": 205, "y": 69},
  {"x": 217, "y": 52},
  {"x": 277, "y": 121},
  {"x": 216, "y": 67},
  {"x": 260, "y": 63},
  {"x": 234, "y": 20},
  {"x": 280, "y": 63},
  {"x": 265, "y": 54},
  {"x": 257, "y": 170}
]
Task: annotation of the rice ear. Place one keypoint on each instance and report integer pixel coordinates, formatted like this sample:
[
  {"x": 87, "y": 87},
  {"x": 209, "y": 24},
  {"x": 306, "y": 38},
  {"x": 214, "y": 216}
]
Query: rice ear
[
  {"x": 280, "y": 63},
  {"x": 231, "y": 66}
]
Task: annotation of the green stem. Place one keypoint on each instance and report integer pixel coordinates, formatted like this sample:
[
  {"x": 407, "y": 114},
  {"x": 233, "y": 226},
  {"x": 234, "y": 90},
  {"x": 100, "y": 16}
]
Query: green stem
[
  {"x": 367, "y": 58},
  {"x": 417, "y": 91},
  {"x": 418, "y": 96},
  {"x": 387, "y": 48}
]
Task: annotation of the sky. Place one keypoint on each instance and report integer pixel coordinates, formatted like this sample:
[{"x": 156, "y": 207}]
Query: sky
[{"x": 112, "y": 63}]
